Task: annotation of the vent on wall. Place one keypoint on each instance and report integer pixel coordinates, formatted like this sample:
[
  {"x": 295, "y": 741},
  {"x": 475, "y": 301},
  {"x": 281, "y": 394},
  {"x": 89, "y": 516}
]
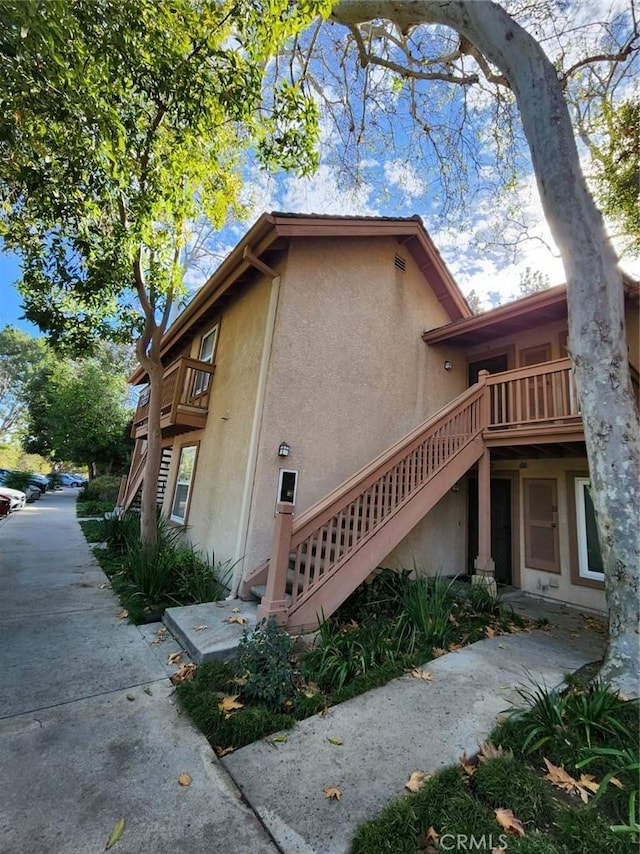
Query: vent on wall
[{"x": 400, "y": 263}]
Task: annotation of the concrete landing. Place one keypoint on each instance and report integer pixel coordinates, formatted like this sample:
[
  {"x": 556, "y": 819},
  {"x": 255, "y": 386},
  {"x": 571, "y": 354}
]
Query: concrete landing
[{"x": 211, "y": 630}]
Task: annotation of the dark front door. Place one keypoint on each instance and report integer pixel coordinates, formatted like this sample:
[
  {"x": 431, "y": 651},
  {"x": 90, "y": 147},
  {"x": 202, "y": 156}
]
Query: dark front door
[
  {"x": 493, "y": 364},
  {"x": 501, "y": 548}
]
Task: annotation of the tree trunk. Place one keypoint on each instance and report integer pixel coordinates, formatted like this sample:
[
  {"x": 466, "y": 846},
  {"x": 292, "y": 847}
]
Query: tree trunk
[
  {"x": 597, "y": 339},
  {"x": 148, "y": 502}
]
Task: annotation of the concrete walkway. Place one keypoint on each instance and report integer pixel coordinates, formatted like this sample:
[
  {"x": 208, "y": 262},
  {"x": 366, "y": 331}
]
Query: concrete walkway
[
  {"x": 90, "y": 733},
  {"x": 89, "y": 729}
]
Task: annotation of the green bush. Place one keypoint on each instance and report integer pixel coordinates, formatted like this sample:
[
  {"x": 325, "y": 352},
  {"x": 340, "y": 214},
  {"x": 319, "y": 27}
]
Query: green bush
[
  {"x": 103, "y": 488},
  {"x": 55, "y": 481},
  {"x": 265, "y": 664},
  {"x": 18, "y": 480}
]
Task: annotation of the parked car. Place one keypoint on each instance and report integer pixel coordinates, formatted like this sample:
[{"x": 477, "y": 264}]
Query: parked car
[
  {"x": 71, "y": 479},
  {"x": 5, "y": 506},
  {"x": 17, "y": 499},
  {"x": 32, "y": 492}
]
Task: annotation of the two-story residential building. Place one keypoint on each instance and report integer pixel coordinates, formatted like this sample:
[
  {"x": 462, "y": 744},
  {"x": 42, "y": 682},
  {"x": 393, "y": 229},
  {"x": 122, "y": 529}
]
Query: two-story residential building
[{"x": 331, "y": 405}]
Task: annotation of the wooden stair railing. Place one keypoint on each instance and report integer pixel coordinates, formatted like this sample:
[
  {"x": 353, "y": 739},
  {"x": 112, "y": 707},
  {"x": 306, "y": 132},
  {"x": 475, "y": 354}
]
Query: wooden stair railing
[
  {"x": 359, "y": 523},
  {"x": 136, "y": 476}
]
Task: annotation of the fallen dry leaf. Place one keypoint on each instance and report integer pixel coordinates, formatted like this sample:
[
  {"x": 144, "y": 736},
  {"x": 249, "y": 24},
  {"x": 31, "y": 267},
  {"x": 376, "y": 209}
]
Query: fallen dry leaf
[
  {"x": 438, "y": 651},
  {"x": 277, "y": 739},
  {"x": 488, "y": 750},
  {"x": 416, "y": 781},
  {"x": 175, "y": 658},
  {"x": 230, "y": 704},
  {"x": 161, "y": 635},
  {"x": 508, "y": 821},
  {"x": 467, "y": 767},
  {"x": 334, "y": 739},
  {"x": 122, "y": 615},
  {"x": 498, "y": 851},
  {"x": 184, "y": 780},
  {"x": 332, "y": 792},
  {"x": 489, "y": 632},
  {"x": 236, "y": 619},
  {"x": 587, "y": 781},
  {"x": 421, "y": 674},
  {"x": 453, "y": 647},
  {"x": 561, "y": 779},
  {"x": 200, "y": 628},
  {"x": 185, "y": 673},
  {"x": 428, "y": 842},
  {"x": 235, "y": 610},
  {"x": 115, "y": 834},
  {"x": 500, "y": 646},
  {"x": 222, "y": 751}
]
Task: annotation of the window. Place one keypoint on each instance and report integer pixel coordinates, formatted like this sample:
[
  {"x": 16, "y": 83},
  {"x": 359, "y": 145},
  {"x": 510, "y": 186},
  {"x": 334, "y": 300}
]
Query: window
[
  {"x": 207, "y": 352},
  {"x": 541, "y": 528},
  {"x": 589, "y": 557},
  {"x": 183, "y": 484},
  {"x": 287, "y": 486}
]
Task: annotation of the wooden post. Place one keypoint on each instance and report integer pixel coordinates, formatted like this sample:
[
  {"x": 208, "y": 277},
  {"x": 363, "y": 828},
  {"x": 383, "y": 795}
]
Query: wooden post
[
  {"x": 274, "y": 602},
  {"x": 484, "y": 564}
]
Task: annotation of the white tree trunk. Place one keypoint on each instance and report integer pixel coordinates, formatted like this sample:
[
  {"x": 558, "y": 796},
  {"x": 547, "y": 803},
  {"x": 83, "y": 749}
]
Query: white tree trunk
[{"x": 597, "y": 340}]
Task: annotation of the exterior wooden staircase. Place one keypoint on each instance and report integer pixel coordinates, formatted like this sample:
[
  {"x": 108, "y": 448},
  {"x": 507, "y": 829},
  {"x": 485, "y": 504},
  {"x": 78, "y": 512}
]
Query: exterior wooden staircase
[{"x": 320, "y": 557}]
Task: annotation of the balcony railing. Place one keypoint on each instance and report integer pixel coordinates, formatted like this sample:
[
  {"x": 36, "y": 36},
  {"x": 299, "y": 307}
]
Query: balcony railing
[{"x": 186, "y": 386}]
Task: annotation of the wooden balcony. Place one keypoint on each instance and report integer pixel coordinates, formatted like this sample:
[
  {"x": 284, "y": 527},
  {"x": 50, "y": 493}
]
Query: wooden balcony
[{"x": 186, "y": 386}]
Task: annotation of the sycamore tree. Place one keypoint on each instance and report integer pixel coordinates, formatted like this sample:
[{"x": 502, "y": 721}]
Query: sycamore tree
[
  {"x": 485, "y": 45},
  {"x": 123, "y": 123}
]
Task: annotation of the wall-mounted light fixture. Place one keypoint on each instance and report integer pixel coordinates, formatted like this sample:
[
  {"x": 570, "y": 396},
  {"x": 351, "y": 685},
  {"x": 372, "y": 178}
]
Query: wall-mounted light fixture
[
  {"x": 284, "y": 449},
  {"x": 448, "y": 365}
]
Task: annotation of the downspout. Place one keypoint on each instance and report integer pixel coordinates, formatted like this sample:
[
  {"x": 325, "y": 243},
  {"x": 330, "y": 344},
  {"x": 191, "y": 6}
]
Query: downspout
[{"x": 252, "y": 458}]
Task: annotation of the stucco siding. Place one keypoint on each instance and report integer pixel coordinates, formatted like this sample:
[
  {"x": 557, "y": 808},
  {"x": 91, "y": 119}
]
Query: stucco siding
[
  {"x": 349, "y": 373},
  {"x": 222, "y": 461}
]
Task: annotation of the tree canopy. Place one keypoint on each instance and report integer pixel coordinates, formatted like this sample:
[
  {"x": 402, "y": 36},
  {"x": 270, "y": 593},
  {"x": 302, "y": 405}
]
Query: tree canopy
[{"x": 21, "y": 357}]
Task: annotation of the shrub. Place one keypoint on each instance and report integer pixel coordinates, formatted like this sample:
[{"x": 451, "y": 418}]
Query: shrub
[
  {"x": 504, "y": 781},
  {"x": 18, "y": 479},
  {"x": 265, "y": 663},
  {"x": 428, "y": 603},
  {"x": 103, "y": 488}
]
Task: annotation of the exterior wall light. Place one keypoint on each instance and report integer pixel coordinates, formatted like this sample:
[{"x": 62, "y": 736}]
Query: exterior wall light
[
  {"x": 284, "y": 449},
  {"x": 448, "y": 365}
]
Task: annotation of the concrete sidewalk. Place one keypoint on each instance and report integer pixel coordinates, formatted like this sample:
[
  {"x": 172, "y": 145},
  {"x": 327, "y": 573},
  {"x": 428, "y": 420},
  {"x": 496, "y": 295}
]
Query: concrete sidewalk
[
  {"x": 90, "y": 733},
  {"x": 89, "y": 729},
  {"x": 407, "y": 725}
]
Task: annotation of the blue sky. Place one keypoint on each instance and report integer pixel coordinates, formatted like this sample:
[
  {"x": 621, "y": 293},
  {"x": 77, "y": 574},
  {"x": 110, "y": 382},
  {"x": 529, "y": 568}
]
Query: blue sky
[{"x": 400, "y": 182}]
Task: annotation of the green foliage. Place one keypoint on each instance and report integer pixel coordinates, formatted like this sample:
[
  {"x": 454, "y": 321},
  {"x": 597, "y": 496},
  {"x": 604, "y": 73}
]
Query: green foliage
[
  {"x": 200, "y": 698},
  {"x": 505, "y": 781},
  {"x": 170, "y": 93},
  {"x": 617, "y": 167},
  {"x": 21, "y": 357},
  {"x": 567, "y": 722},
  {"x": 199, "y": 579},
  {"x": 17, "y": 479},
  {"x": 428, "y": 603},
  {"x": 78, "y": 409},
  {"x": 623, "y": 767},
  {"x": 265, "y": 662},
  {"x": 102, "y": 488},
  {"x": 584, "y": 831}
]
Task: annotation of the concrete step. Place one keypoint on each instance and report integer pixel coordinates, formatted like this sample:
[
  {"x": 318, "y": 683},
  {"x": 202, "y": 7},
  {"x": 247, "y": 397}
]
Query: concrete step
[{"x": 204, "y": 631}]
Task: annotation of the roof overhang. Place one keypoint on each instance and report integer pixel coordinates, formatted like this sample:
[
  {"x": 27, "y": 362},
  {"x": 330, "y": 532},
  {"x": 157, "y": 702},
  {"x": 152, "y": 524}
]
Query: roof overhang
[
  {"x": 273, "y": 231},
  {"x": 543, "y": 307}
]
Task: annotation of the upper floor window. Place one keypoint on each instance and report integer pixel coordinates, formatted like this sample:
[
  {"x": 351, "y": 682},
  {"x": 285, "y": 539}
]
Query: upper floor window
[
  {"x": 184, "y": 480},
  {"x": 207, "y": 353}
]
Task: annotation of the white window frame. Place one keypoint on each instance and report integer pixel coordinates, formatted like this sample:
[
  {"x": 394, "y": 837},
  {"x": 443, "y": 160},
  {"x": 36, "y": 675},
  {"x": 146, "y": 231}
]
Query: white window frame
[
  {"x": 580, "y": 484},
  {"x": 202, "y": 379},
  {"x": 182, "y": 482},
  {"x": 281, "y": 475}
]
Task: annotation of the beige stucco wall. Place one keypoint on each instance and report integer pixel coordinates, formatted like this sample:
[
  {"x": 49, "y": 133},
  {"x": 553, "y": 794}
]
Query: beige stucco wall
[
  {"x": 349, "y": 373},
  {"x": 222, "y": 461}
]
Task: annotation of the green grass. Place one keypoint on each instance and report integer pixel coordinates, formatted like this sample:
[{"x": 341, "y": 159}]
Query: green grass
[{"x": 456, "y": 803}]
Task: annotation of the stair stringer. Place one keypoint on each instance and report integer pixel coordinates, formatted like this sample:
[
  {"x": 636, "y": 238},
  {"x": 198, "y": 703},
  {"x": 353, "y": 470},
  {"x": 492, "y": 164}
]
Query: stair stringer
[{"x": 331, "y": 591}]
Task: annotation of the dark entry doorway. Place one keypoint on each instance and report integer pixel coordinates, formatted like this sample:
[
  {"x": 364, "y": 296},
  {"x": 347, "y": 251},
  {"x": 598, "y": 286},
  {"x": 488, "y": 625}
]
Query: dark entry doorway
[
  {"x": 501, "y": 544},
  {"x": 493, "y": 364}
]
